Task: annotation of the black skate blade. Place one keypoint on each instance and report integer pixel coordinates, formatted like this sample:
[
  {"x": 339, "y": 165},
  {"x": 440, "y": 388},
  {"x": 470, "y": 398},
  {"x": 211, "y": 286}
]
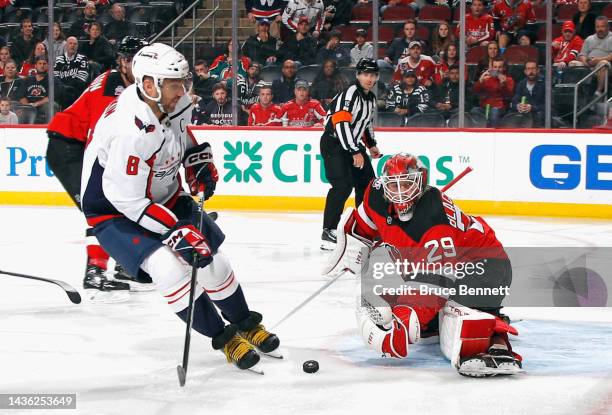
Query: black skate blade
[
  {"x": 255, "y": 370},
  {"x": 274, "y": 354},
  {"x": 182, "y": 375}
]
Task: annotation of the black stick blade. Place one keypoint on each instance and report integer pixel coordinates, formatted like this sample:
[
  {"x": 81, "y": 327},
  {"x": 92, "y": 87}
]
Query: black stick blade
[{"x": 181, "y": 375}]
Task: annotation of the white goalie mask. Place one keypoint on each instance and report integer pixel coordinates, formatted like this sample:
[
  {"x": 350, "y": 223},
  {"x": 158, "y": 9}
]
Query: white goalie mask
[
  {"x": 404, "y": 179},
  {"x": 159, "y": 61}
]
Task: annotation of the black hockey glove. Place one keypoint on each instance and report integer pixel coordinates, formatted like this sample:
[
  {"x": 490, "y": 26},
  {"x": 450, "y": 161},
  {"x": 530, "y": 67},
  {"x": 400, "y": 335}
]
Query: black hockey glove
[{"x": 200, "y": 171}]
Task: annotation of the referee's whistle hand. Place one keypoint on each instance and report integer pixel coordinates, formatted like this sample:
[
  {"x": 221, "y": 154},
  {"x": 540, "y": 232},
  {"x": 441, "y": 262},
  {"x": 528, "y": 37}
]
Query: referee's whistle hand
[{"x": 358, "y": 160}]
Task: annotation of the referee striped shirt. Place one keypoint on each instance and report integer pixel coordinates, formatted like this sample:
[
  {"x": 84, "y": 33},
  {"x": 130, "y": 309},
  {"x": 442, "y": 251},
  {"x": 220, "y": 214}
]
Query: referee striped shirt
[{"x": 349, "y": 118}]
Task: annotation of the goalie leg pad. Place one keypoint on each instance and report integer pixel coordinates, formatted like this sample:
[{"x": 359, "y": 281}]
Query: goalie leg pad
[{"x": 464, "y": 332}]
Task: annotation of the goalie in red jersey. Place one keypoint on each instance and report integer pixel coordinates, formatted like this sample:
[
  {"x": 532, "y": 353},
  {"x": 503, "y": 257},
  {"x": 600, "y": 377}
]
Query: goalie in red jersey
[{"x": 416, "y": 224}]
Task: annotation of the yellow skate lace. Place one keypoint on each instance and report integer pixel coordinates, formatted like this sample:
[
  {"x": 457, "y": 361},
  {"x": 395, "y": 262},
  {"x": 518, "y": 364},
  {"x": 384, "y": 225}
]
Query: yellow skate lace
[
  {"x": 257, "y": 335},
  {"x": 236, "y": 348}
]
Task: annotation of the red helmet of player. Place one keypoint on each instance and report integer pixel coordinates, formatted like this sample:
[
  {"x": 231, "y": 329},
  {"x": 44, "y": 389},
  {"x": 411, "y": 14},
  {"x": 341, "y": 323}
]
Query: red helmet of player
[{"x": 404, "y": 179}]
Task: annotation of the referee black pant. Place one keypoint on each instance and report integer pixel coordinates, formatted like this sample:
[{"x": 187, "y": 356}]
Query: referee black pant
[{"x": 343, "y": 177}]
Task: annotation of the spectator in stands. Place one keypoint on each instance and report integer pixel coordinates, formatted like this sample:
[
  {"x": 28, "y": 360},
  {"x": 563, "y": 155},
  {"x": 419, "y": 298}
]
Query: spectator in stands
[
  {"x": 494, "y": 88},
  {"x": 7, "y": 117},
  {"x": 524, "y": 40},
  {"x": 271, "y": 10},
  {"x": 441, "y": 37},
  {"x": 261, "y": 47},
  {"x": 301, "y": 46},
  {"x": 337, "y": 12},
  {"x": 400, "y": 44},
  {"x": 512, "y": 17},
  {"x": 118, "y": 27},
  {"x": 218, "y": 111},
  {"x": 5, "y": 55},
  {"x": 565, "y": 48},
  {"x": 29, "y": 66},
  {"x": 34, "y": 90},
  {"x": 72, "y": 71},
  {"x": 98, "y": 49},
  {"x": 408, "y": 98},
  {"x": 333, "y": 50},
  {"x": 529, "y": 97},
  {"x": 248, "y": 88},
  {"x": 264, "y": 112},
  {"x": 446, "y": 95},
  {"x": 203, "y": 83},
  {"x": 23, "y": 45},
  {"x": 597, "y": 51},
  {"x": 221, "y": 68},
  {"x": 487, "y": 62},
  {"x": 59, "y": 40},
  {"x": 282, "y": 89},
  {"x": 584, "y": 19},
  {"x": 302, "y": 111},
  {"x": 328, "y": 82},
  {"x": 450, "y": 58},
  {"x": 362, "y": 49},
  {"x": 393, "y": 3},
  {"x": 479, "y": 26},
  {"x": 10, "y": 83},
  {"x": 97, "y": 3},
  {"x": 80, "y": 27},
  {"x": 424, "y": 67},
  {"x": 312, "y": 10}
]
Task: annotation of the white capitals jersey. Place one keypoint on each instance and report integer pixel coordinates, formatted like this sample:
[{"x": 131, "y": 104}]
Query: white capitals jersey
[{"x": 131, "y": 166}]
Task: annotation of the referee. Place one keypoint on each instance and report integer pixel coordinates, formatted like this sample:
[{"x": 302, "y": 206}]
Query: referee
[{"x": 348, "y": 126}]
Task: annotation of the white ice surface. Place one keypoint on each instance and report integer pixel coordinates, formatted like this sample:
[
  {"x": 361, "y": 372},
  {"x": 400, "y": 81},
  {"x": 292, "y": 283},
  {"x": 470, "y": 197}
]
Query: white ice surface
[{"x": 121, "y": 358}]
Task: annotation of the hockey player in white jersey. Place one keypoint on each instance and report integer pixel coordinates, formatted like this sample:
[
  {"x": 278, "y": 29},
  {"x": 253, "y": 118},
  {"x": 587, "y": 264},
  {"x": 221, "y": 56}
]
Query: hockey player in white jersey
[{"x": 133, "y": 198}]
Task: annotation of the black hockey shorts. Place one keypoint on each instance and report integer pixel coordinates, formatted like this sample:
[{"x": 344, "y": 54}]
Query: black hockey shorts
[{"x": 65, "y": 157}]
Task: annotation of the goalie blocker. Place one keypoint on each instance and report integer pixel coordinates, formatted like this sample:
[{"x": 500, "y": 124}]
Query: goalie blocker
[{"x": 400, "y": 211}]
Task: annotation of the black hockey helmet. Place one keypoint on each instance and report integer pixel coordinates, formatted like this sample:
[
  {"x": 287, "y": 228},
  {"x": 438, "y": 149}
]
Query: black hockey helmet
[
  {"x": 367, "y": 65},
  {"x": 129, "y": 45}
]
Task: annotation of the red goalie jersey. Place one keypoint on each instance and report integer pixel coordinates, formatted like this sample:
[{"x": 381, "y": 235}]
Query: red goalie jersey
[
  {"x": 438, "y": 230},
  {"x": 77, "y": 122}
]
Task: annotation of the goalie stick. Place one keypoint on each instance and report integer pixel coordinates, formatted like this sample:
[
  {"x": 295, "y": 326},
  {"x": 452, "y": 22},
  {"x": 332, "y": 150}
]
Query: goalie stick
[
  {"x": 72, "y": 294},
  {"x": 341, "y": 273}
]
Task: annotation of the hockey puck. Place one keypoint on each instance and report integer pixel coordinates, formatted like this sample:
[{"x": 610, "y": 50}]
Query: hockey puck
[{"x": 311, "y": 366}]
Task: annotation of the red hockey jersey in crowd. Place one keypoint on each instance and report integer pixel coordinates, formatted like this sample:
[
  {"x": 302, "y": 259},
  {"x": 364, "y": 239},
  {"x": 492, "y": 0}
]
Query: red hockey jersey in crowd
[
  {"x": 78, "y": 120},
  {"x": 305, "y": 115},
  {"x": 438, "y": 228},
  {"x": 494, "y": 93},
  {"x": 523, "y": 12},
  {"x": 425, "y": 69},
  {"x": 480, "y": 27},
  {"x": 270, "y": 115},
  {"x": 567, "y": 51}
]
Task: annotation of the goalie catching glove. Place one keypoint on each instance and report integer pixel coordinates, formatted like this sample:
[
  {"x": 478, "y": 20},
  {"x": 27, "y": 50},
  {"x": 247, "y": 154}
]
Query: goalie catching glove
[
  {"x": 352, "y": 251},
  {"x": 184, "y": 238},
  {"x": 200, "y": 171}
]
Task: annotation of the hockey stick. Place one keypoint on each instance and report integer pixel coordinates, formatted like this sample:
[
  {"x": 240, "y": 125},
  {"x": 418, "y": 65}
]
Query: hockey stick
[
  {"x": 182, "y": 369},
  {"x": 341, "y": 273},
  {"x": 73, "y": 294},
  {"x": 456, "y": 179},
  {"x": 309, "y": 299}
]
